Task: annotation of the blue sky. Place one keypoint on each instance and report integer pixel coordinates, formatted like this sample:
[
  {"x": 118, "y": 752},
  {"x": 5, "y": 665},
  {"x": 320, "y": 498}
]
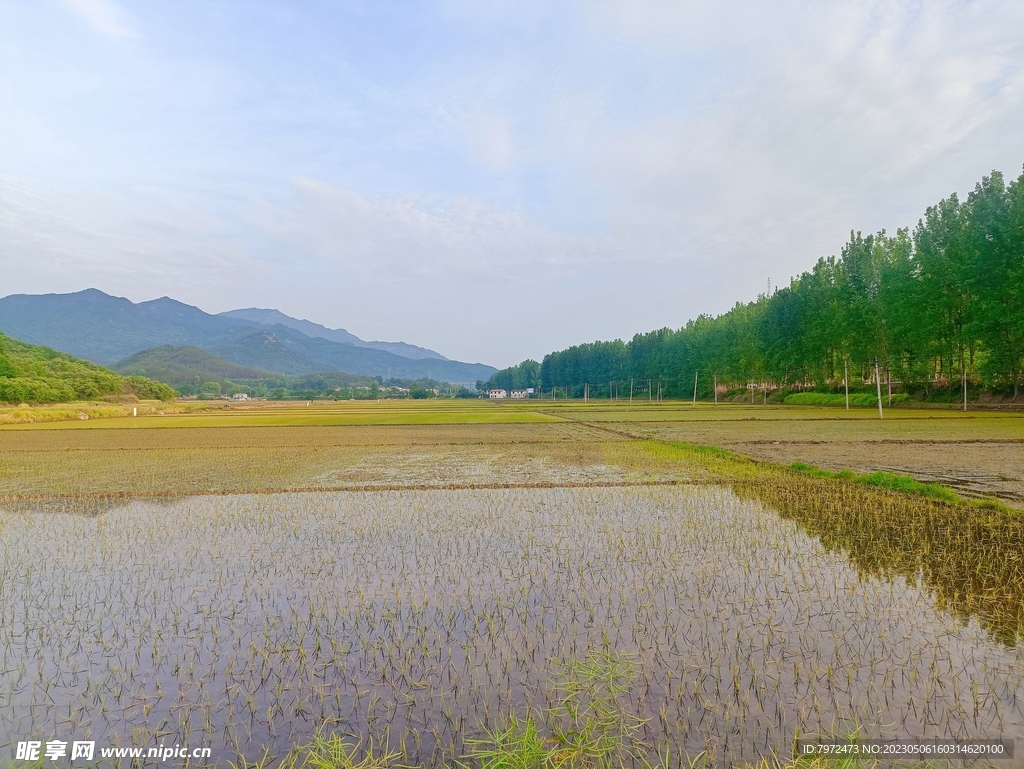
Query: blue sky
[{"x": 492, "y": 180}]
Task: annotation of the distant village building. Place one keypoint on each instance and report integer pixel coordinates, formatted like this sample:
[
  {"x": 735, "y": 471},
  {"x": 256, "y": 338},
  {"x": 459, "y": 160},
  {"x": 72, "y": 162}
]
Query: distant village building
[
  {"x": 240, "y": 397},
  {"x": 519, "y": 394},
  {"x": 496, "y": 394}
]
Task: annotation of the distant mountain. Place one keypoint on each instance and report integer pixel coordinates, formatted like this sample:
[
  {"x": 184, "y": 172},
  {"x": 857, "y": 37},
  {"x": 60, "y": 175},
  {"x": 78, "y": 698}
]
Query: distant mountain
[
  {"x": 283, "y": 349},
  {"x": 186, "y": 366},
  {"x": 35, "y": 374},
  {"x": 278, "y": 318},
  {"x": 106, "y": 329}
]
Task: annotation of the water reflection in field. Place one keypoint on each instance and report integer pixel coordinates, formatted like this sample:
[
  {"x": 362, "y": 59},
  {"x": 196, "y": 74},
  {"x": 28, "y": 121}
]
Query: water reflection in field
[{"x": 419, "y": 617}]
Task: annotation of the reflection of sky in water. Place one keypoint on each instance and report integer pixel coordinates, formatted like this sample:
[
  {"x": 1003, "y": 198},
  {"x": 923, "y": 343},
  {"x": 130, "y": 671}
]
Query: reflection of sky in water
[{"x": 249, "y": 620}]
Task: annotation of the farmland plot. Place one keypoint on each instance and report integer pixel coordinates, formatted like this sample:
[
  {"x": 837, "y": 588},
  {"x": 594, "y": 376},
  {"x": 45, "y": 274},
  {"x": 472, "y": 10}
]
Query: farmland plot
[{"x": 423, "y": 618}]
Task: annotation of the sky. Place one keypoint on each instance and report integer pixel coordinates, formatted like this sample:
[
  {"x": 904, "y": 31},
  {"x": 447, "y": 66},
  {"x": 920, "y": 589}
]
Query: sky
[{"x": 491, "y": 180}]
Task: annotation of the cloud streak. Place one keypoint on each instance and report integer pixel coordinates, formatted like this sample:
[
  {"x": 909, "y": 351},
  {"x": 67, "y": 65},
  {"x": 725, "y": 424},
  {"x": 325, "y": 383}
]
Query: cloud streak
[{"x": 103, "y": 15}]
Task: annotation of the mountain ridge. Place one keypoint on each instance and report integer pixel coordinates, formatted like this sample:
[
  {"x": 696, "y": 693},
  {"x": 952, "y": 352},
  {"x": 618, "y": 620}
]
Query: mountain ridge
[
  {"x": 269, "y": 317},
  {"x": 105, "y": 329}
]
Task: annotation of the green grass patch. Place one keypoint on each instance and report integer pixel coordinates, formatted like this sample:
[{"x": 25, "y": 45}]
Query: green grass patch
[
  {"x": 861, "y": 400},
  {"x": 883, "y": 480}
]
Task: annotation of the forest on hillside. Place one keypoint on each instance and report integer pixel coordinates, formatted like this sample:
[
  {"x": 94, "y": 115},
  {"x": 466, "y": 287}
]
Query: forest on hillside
[
  {"x": 33, "y": 374},
  {"x": 934, "y": 307}
]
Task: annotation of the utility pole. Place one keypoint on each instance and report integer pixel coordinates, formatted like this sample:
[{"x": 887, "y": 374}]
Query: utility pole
[
  {"x": 716, "y": 389},
  {"x": 631, "y": 391},
  {"x": 878, "y": 386},
  {"x": 846, "y": 382},
  {"x": 649, "y": 396},
  {"x": 963, "y": 367},
  {"x": 695, "y": 389}
]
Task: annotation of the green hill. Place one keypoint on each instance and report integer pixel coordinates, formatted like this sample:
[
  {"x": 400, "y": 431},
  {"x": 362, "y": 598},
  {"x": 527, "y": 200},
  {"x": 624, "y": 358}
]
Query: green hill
[
  {"x": 192, "y": 371},
  {"x": 33, "y": 374},
  {"x": 186, "y": 368}
]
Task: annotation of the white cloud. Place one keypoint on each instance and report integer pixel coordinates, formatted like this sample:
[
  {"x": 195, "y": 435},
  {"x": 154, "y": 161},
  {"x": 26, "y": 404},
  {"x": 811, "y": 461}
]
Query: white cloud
[
  {"x": 487, "y": 281},
  {"x": 141, "y": 246},
  {"x": 841, "y": 116},
  {"x": 490, "y": 141},
  {"x": 895, "y": 83},
  {"x": 38, "y": 145},
  {"x": 103, "y": 15},
  {"x": 413, "y": 236}
]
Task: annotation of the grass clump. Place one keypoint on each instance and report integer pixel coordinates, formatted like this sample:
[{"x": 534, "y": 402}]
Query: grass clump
[
  {"x": 880, "y": 479},
  {"x": 584, "y": 727},
  {"x": 327, "y": 751},
  {"x": 678, "y": 450},
  {"x": 907, "y": 485}
]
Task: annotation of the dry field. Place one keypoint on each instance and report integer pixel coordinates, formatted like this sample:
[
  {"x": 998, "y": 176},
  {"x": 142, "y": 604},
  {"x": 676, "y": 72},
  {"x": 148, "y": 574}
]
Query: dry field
[
  {"x": 419, "y": 574},
  {"x": 977, "y": 453}
]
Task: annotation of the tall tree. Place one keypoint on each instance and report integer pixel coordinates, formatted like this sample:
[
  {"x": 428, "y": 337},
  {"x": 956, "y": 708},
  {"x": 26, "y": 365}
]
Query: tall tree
[{"x": 947, "y": 299}]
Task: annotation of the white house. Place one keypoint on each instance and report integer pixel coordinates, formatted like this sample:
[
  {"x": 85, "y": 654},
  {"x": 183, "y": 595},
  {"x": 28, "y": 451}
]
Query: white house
[
  {"x": 519, "y": 394},
  {"x": 496, "y": 394},
  {"x": 240, "y": 397}
]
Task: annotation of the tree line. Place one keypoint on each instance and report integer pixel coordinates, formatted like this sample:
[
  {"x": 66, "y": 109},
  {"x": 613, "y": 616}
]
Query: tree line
[{"x": 934, "y": 307}]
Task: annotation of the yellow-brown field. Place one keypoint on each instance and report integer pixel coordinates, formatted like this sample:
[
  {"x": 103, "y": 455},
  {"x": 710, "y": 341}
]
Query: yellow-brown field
[{"x": 278, "y": 446}]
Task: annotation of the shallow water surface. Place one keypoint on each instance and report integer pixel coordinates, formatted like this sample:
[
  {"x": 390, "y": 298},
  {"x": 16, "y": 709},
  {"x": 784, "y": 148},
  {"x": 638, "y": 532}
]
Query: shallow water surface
[{"x": 421, "y": 617}]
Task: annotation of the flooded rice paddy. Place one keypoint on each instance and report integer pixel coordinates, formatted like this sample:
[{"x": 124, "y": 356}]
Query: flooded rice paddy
[{"x": 422, "y": 617}]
